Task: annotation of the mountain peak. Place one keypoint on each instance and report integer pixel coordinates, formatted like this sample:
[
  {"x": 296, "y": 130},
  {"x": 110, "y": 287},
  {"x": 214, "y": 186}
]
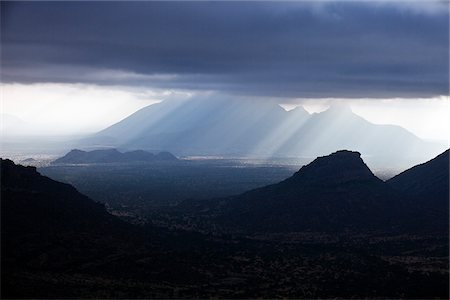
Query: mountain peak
[
  {"x": 339, "y": 167},
  {"x": 340, "y": 109},
  {"x": 299, "y": 109},
  {"x": 77, "y": 151},
  {"x": 343, "y": 153}
]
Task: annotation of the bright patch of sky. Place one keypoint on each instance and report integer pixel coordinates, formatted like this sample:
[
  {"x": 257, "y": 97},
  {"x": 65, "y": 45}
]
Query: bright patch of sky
[{"x": 66, "y": 109}]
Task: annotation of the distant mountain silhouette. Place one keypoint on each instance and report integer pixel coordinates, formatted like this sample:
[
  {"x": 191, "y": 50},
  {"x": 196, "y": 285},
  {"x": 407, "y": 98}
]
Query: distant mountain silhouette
[
  {"x": 112, "y": 156},
  {"x": 195, "y": 126},
  {"x": 339, "y": 128},
  {"x": 257, "y": 128},
  {"x": 30, "y": 159}
]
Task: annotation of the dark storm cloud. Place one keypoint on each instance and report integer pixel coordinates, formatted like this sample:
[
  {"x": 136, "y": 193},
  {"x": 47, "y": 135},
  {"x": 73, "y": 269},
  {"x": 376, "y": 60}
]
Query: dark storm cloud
[{"x": 293, "y": 49}]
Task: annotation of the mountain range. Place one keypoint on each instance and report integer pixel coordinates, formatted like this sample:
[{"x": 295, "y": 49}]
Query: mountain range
[
  {"x": 258, "y": 129},
  {"x": 76, "y": 156},
  {"x": 58, "y": 243}
]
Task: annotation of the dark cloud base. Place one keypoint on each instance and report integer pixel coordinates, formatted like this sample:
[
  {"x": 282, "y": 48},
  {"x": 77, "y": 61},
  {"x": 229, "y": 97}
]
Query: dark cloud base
[{"x": 290, "y": 49}]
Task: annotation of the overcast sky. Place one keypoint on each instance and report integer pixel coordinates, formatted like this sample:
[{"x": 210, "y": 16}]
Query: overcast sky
[{"x": 289, "y": 51}]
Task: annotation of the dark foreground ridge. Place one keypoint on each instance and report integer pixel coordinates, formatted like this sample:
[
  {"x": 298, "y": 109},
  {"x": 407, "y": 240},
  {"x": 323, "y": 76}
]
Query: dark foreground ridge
[
  {"x": 57, "y": 243},
  {"x": 428, "y": 185},
  {"x": 76, "y": 156},
  {"x": 427, "y": 179}
]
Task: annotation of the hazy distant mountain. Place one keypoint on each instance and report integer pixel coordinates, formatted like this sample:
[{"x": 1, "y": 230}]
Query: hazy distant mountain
[
  {"x": 112, "y": 156},
  {"x": 333, "y": 193},
  {"x": 339, "y": 128},
  {"x": 252, "y": 128},
  {"x": 196, "y": 127}
]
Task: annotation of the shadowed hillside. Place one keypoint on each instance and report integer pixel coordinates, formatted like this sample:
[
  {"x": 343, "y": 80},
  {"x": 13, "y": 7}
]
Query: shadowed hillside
[
  {"x": 57, "y": 243},
  {"x": 428, "y": 185},
  {"x": 333, "y": 193}
]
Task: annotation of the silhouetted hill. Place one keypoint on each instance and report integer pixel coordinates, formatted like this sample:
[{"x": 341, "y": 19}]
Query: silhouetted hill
[
  {"x": 333, "y": 193},
  {"x": 112, "y": 156},
  {"x": 427, "y": 179},
  {"x": 47, "y": 226},
  {"x": 338, "y": 168},
  {"x": 58, "y": 243},
  {"x": 337, "y": 192},
  {"x": 259, "y": 128},
  {"x": 428, "y": 185},
  {"x": 38, "y": 212}
]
